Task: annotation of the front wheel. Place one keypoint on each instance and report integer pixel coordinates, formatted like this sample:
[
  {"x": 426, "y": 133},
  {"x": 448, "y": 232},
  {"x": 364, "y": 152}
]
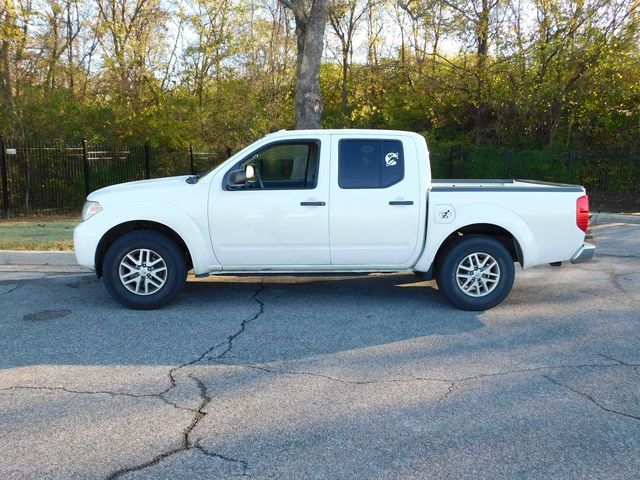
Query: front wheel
[
  {"x": 144, "y": 270},
  {"x": 476, "y": 273}
]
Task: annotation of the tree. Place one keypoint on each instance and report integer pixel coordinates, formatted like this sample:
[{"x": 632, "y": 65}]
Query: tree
[
  {"x": 344, "y": 16},
  {"x": 214, "y": 24},
  {"x": 8, "y": 33},
  {"x": 131, "y": 40},
  {"x": 311, "y": 19}
]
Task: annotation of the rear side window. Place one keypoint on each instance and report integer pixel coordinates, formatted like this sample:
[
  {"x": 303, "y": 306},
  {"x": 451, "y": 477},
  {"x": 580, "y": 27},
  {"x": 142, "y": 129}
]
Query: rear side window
[{"x": 370, "y": 163}]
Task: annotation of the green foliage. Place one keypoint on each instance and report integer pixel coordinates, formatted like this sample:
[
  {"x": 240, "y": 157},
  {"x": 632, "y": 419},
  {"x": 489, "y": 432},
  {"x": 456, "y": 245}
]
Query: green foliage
[{"x": 568, "y": 77}]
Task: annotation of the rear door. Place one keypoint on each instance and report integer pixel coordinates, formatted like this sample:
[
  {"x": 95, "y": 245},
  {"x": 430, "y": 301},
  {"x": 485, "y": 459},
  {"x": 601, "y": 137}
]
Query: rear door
[{"x": 374, "y": 201}]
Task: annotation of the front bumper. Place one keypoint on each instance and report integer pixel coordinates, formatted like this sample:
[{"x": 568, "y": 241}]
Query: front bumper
[
  {"x": 85, "y": 243},
  {"x": 584, "y": 253}
]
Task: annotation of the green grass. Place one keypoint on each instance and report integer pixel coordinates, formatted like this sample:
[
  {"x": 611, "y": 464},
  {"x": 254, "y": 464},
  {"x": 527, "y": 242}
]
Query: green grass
[{"x": 37, "y": 234}]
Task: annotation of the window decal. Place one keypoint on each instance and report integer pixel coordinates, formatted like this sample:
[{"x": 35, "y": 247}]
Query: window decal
[{"x": 391, "y": 159}]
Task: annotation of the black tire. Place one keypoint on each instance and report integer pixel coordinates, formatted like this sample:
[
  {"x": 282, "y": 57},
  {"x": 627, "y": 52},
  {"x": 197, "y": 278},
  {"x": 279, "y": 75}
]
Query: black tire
[
  {"x": 486, "y": 289},
  {"x": 167, "y": 268}
]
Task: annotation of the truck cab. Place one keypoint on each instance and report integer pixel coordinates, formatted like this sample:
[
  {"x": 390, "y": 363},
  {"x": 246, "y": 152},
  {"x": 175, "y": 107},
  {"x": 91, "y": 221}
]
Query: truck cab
[{"x": 322, "y": 201}]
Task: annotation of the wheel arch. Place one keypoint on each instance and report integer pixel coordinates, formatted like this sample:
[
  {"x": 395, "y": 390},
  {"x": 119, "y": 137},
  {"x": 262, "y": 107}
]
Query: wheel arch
[
  {"x": 129, "y": 226},
  {"x": 504, "y": 236}
]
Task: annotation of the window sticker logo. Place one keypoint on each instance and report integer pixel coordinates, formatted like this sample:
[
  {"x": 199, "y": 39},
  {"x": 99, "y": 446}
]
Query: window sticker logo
[
  {"x": 368, "y": 149},
  {"x": 391, "y": 159}
]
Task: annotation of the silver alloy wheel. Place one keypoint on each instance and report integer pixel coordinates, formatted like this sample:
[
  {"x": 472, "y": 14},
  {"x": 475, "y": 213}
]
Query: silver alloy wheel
[
  {"x": 478, "y": 274},
  {"x": 143, "y": 271}
]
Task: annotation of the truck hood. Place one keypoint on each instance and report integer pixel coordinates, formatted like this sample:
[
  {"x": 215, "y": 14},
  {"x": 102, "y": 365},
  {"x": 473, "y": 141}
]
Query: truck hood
[{"x": 142, "y": 189}]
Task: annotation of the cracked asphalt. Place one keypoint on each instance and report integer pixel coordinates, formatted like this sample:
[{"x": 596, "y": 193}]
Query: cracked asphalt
[{"x": 350, "y": 377}]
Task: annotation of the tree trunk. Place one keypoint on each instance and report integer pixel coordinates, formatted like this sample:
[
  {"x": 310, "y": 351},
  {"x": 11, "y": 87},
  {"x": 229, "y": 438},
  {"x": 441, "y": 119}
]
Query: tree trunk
[
  {"x": 70, "y": 38},
  {"x": 345, "y": 79},
  {"x": 310, "y": 25},
  {"x": 482, "y": 108},
  {"x": 6, "y": 80}
]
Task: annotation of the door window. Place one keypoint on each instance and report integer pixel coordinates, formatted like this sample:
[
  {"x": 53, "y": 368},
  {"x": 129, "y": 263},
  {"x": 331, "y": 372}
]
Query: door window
[
  {"x": 370, "y": 163},
  {"x": 283, "y": 166}
]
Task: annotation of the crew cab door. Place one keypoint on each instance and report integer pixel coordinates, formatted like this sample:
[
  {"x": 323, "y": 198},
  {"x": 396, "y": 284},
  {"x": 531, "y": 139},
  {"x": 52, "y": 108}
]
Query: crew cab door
[
  {"x": 376, "y": 202},
  {"x": 281, "y": 217}
]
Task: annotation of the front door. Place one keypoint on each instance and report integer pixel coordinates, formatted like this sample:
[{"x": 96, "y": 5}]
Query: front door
[{"x": 280, "y": 218}]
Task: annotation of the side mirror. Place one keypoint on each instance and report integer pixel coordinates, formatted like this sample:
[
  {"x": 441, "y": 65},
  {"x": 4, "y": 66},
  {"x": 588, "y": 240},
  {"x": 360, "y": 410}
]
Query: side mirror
[
  {"x": 242, "y": 177},
  {"x": 237, "y": 177}
]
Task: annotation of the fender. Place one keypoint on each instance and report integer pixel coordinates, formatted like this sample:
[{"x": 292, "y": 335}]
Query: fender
[
  {"x": 171, "y": 216},
  {"x": 477, "y": 213}
]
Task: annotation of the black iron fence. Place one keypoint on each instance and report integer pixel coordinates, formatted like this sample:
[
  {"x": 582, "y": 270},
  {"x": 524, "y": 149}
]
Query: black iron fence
[
  {"x": 54, "y": 178},
  {"x": 611, "y": 176}
]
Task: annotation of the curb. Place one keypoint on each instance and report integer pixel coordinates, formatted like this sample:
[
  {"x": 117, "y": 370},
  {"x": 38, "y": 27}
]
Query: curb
[
  {"x": 599, "y": 218},
  {"x": 58, "y": 259}
]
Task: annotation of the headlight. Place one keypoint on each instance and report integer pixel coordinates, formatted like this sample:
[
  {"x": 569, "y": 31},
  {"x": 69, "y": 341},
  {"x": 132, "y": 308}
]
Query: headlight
[{"x": 90, "y": 209}]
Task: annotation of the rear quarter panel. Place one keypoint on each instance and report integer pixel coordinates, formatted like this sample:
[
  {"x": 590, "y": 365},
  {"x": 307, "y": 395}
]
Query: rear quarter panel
[{"x": 543, "y": 223}]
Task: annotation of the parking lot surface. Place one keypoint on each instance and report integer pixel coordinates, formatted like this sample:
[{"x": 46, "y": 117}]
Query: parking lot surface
[{"x": 349, "y": 377}]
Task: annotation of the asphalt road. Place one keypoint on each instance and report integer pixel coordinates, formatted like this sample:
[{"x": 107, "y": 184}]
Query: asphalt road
[{"x": 354, "y": 378}]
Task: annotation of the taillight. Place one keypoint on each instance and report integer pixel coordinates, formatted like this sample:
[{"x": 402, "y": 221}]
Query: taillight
[{"x": 582, "y": 213}]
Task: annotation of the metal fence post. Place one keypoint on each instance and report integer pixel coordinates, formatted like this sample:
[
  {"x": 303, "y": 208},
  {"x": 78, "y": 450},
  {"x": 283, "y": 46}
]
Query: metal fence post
[
  {"x": 638, "y": 172},
  {"x": 191, "y": 159},
  {"x": 5, "y": 188},
  {"x": 571, "y": 159},
  {"x": 85, "y": 168},
  {"x": 147, "y": 161}
]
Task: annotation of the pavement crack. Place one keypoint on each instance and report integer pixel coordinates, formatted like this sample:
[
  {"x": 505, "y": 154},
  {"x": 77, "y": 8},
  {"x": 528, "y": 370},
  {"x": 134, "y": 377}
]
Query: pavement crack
[
  {"x": 11, "y": 290},
  {"x": 187, "y": 443},
  {"x": 95, "y": 392},
  {"x": 199, "y": 412},
  {"x": 450, "y": 389},
  {"x": 428, "y": 379},
  {"x": 229, "y": 341},
  {"x": 621, "y": 362},
  {"x": 320, "y": 375},
  {"x": 154, "y": 461},
  {"x": 531, "y": 370},
  {"x": 590, "y": 398},
  {"x": 173, "y": 383},
  {"x": 243, "y": 325},
  {"x": 243, "y": 463}
]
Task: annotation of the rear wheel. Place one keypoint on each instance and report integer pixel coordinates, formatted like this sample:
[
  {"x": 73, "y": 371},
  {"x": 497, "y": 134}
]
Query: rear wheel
[
  {"x": 144, "y": 270},
  {"x": 476, "y": 273}
]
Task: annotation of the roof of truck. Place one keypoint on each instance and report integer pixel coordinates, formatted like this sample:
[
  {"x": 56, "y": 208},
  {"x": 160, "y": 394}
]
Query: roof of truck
[{"x": 341, "y": 131}]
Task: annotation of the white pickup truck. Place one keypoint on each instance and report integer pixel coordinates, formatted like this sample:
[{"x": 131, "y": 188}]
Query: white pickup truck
[{"x": 327, "y": 201}]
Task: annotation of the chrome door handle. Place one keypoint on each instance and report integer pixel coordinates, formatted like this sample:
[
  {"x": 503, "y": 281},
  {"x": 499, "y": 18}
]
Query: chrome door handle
[
  {"x": 400, "y": 202},
  {"x": 313, "y": 204}
]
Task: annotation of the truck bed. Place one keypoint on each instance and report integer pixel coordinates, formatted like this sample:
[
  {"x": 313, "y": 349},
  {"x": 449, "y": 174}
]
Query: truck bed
[{"x": 500, "y": 185}]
